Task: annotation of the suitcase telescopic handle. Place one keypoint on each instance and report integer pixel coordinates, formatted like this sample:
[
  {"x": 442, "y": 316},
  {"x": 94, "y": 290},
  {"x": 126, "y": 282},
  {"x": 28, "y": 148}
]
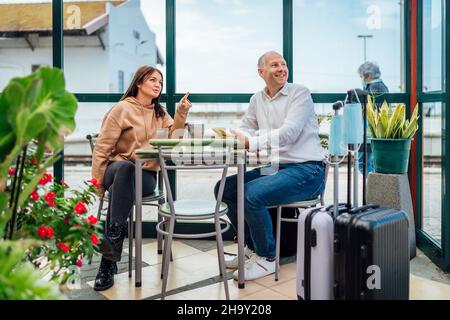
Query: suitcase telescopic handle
[
  {"x": 342, "y": 207},
  {"x": 364, "y": 208}
]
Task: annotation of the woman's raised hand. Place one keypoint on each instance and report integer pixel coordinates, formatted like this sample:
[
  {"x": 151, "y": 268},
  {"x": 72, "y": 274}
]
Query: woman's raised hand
[{"x": 184, "y": 104}]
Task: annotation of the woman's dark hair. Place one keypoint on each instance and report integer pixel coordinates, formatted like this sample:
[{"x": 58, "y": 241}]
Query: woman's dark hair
[{"x": 142, "y": 74}]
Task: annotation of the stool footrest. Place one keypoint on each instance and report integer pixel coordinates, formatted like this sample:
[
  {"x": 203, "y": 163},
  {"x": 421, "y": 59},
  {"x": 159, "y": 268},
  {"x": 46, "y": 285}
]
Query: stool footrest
[{"x": 160, "y": 225}]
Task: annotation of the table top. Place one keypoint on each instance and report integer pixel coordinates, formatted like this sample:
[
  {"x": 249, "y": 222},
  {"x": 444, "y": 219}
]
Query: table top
[
  {"x": 214, "y": 147},
  {"x": 194, "y": 142},
  {"x": 188, "y": 150},
  {"x": 208, "y": 149}
]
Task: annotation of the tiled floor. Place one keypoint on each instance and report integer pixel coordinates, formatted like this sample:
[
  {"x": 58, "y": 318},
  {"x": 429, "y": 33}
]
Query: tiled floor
[
  {"x": 185, "y": 282},
  {"x": 193, "y": 275}
]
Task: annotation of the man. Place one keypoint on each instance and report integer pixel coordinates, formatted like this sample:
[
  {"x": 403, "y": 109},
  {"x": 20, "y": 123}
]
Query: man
[
  {"x": 370, "y": 75},
  {"x": 280, "y": 118}
]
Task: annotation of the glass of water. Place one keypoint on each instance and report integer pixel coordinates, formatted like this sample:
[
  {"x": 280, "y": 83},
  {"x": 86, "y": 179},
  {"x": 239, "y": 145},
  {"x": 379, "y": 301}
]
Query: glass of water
[
  {"x": 162, "y": 133},
  {"x": 196, "y": 130}
]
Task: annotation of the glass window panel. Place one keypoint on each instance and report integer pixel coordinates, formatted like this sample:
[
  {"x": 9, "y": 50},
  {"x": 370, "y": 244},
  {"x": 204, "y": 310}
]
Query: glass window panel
[
  {"x": 432, "y": 171},
  {"x": 432, "y": 45},
  {"x": 323, "y": 112},
  {"x": 212, "y": 115},
  {"x": 219, "y": 43},
  {"x": 333, "y": 38},
  {"x": 77, "y": 152},
  {"x": 25, "y": 38},
  {"x": 102, "y": 38},
  {"x": 230, "y": 115}
]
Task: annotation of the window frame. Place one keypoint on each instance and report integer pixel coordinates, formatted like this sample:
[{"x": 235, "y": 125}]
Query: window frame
[
  {"x": 411, "y": 63},
  {"x": 438, "y": 252}
]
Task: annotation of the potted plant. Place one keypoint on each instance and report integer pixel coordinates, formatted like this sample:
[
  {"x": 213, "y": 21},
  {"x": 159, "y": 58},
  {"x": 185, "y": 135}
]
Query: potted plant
[
  {"x": 391, "y": 136},
  {"x": 38, "y": 110},
  {"x": 57, "y": 217}
]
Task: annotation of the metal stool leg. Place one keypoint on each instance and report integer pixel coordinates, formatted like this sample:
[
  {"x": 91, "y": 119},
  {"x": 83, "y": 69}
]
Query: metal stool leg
[
  {"x": 219, "y": 258},
  {"x": 168, "y": 246},
  {"x": 163, "y": 238},
  {"x": 160, "y": 202},
  {"x": 220, "y": 253},
  {"x": 277, "y": 257},
  {"x": 159, "y": 237},
  {"x": 130, "y": 243},
  {"x": 165, "y": 249}
]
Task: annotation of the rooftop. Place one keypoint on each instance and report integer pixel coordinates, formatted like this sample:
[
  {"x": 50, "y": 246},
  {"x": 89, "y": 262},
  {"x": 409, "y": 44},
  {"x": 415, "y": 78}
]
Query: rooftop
[{"x": 18, "y": 19}]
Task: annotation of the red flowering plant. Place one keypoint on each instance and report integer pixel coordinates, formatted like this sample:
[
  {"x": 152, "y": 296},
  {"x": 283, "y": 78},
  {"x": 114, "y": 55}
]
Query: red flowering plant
[{"x": 58, "y": 217}]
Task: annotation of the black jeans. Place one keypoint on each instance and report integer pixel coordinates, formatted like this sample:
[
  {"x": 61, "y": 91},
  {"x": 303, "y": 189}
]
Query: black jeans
[{"x": 119, "y": 181}]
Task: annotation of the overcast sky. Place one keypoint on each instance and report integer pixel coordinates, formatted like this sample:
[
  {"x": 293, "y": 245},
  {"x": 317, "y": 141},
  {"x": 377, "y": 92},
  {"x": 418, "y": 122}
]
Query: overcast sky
[{"x": 219, "y": 41}]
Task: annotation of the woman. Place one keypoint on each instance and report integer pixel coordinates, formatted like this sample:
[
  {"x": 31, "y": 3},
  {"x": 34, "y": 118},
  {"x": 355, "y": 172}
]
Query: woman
[
  {"x": 127, "y": 127},
  {"x": 370, "y": 75}
]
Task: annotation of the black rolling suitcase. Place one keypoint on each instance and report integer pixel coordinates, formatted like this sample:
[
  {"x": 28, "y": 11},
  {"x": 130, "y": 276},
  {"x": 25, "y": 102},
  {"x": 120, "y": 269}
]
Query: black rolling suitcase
[
  {"x": 371, "y": 254},
  {"x": 371, "y": 249}
]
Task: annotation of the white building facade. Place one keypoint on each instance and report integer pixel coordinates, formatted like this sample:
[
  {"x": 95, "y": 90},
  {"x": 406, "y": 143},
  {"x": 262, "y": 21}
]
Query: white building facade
[{"x": 100, "y": 56}]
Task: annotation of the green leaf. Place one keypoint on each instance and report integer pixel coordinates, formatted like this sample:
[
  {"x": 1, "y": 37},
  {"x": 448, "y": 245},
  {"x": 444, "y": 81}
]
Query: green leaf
[
  {"x": 410, "y": 129},
  {"x": 398, "y": 133},
  {"x": 415, "y": 114},
  {"x": 35, "y": 125},
  {"x": 22, "y": 120},
  {"x": 4, "y": 198},
  {"x": 18, "y": 279},
  {"x": 372, "y": 121},
  {"x": 383, "y": 123},
  {"x": 14, "y": 96},
  {"x": 395, "y": 121},
  {"x": 6, "y": 145},
  {"x": 379, "y": 131},
  {"x": 53, "y": 81},
  {"x": 60, "y": 115},
  {"x": 36, "y": 106},
  {"x": 33, "y": 90},
  {"x": 5, "y": 126}
]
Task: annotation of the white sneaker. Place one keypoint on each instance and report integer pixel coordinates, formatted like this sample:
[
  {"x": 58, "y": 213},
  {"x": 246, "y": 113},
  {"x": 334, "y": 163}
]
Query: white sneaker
[
  {"x": 257, "y": 267},
  {"x": 233, "y": 263}
]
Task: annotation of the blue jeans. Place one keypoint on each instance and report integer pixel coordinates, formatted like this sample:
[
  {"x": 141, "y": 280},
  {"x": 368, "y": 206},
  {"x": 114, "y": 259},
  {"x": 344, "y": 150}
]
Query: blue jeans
[
  {"x": 369, "y": 159},
  {"x": 293, "y": 182}
]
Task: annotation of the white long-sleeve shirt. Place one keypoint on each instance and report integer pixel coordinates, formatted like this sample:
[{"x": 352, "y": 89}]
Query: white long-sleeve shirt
[{"x": 286, "y": 124}]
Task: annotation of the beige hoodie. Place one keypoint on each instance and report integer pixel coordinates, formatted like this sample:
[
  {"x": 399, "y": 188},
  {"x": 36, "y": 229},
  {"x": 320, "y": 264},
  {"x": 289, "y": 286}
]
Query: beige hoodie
[{"x": 127, "y": 127}]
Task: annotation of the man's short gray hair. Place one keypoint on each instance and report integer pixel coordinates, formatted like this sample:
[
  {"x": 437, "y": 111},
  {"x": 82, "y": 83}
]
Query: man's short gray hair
[
  {"x": 370, "y": 69},
  {"x": 262, "y": 59}
]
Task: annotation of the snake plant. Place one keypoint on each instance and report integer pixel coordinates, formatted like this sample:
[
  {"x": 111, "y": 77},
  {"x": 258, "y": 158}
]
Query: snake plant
[{"x": 390, "y": 122}]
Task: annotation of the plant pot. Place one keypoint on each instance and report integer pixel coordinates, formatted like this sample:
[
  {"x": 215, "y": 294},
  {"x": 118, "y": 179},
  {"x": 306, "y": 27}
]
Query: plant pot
[{"x": 391, "y": 156}]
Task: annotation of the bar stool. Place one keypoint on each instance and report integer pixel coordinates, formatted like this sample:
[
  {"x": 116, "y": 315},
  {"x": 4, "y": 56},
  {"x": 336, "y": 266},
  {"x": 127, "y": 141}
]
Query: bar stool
[
  {"x": 155, "y": 199},
  {"x": 191, "y": 210},
  {"x": 297, "y": 205}
]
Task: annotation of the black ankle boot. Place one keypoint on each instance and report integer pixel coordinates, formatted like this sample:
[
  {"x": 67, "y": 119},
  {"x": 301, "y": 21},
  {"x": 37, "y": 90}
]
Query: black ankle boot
[
  {"x": 112, "y": 243},
  {"x": 105, "y": 275}
]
